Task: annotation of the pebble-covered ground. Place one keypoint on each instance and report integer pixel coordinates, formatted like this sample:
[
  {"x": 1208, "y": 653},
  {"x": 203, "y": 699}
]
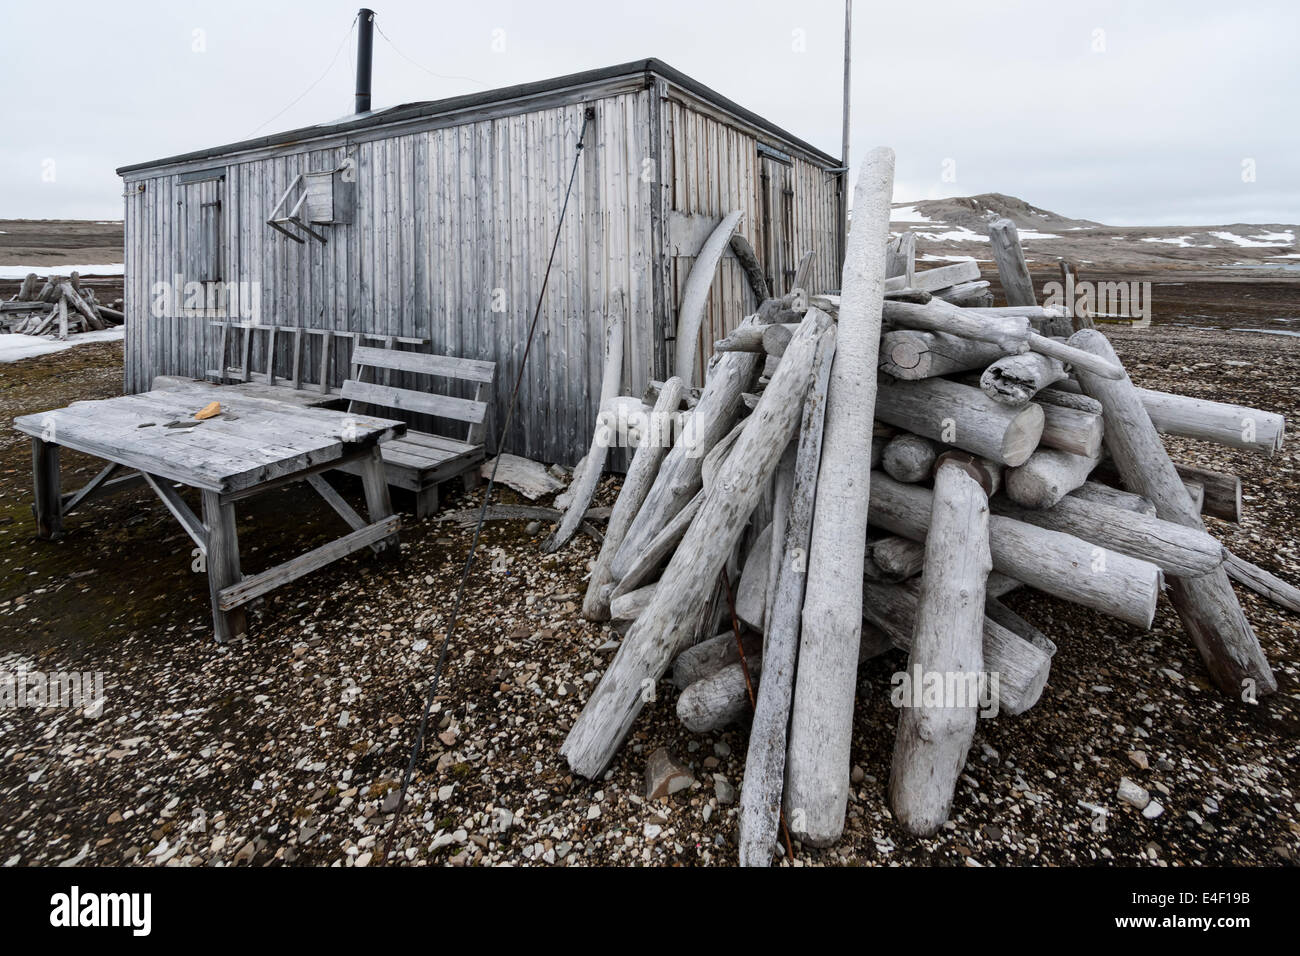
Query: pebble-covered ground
[{"x": 285, "y": 747}]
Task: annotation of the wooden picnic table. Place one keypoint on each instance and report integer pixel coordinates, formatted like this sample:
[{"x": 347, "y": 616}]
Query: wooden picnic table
[{"x": 254, "y": 444}]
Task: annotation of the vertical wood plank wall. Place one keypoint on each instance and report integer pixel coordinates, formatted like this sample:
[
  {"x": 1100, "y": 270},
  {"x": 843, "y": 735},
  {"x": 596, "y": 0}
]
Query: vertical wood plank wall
[{"x": 449, "y": 240}]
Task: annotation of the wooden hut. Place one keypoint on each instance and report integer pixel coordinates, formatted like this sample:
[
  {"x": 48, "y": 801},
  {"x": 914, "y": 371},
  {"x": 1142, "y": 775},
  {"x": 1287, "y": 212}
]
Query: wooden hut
[{"x": 429, "y": 225}]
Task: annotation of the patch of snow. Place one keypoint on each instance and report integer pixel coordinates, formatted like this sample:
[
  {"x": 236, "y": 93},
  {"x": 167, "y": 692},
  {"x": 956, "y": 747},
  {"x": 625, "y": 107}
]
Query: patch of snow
[
  {"x": 1256, "y": 242},
  {"x": 14, "y": 346},
  {"x": 1267, "y": 236},
  {"x": 931, "y": 257},
  {"x": 908, "y": 214},
  {"x": 1032, "y": 234},
  {"x": 102, "y": 269},
  {"x": 1285, "y": 255},
  {"x": 1179, "y": 241},
  {"x": 960, "y": 234}
]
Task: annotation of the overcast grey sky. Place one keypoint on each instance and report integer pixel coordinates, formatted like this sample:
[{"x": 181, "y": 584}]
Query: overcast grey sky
[{"x": 1129, "y": 113}]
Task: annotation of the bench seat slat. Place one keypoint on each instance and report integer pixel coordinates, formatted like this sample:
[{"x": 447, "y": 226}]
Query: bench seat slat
[
  {"x": 409, "y": 400},
  {"x": 470, "y": 370}
]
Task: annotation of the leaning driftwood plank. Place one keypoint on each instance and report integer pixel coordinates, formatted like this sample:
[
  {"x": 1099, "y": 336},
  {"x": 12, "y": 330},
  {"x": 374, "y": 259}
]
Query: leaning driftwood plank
[
  {"x": 900, "y": 258},
  {"x": 748, "y": 260},
  {"x": 584, "y": 485},
  {"x": 684, "y": 589},
  {"x": 1206, "y": 603},
  {"x": 1010, "y": 257},
  {"x": 931, "y": 744},
  {"x": 636, "y": 485},
  {"x": 657, "y": 551},
  {"x": 959, "y": 415},
  {"x": 760, "y": 794},
  {"x": 821, "y": 723},
  {"x": 695, "y": 296},
  {"x": 679, "y": 476},
  {"x": 1051, "y": 561},
  {"x": 1022, "y": 666}
]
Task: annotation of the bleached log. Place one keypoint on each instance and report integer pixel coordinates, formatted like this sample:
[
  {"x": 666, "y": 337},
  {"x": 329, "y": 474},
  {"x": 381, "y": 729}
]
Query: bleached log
[
  {"x": 751, "y": 592},
  {"x": 679, "y": 476},
  {"x": 695, "y": 295},
  {"x": 708, "y": 657},
  {"x": 1173, "y": 548},
  {"x": 895, "y": 558},
  {"x": 1071, "y": 430},
  {"x": 584, "y": 485},
  {"x": 908, "y": 354},
  {"x": 1022, "y": 667},
  {"x": 959, "y": 415},
  {"x": 1103, "y": 494},
  {"x": 1016, "y": 379},
  {"x": 720, "y": 699},
  {"x": 669, "y": 622},
  {"x": 659, "y": 549},
  {"x": 1047, "y": 477},
  {"x": 1236, "y": 426},
  {"x": 909, "y": 457},
  {"x": 932, "y": 740},
  {"x": 628, "y": 607},
  {"x": 966, "y": 294},
  {"x": 1008, "y": 333},
  {"x": 941, "y": 277},
  {"x": 1017, "y": 285},
  {"x": 74, "y": 300},
  {"x": 817, "y": 777},
  {"x": 1220, "y": 492},
  {"x": 987, "y": 473},
  {"x": 30, "y": 288},
  {"x": 636, "y": 485},
  {"x": 1263, "y": 583},
  {"x": 1050, "y": 561},
  {"x": 761, "y": 792},
  {"x": 1206, "y": 603},
  {"x": 689, "y": 396},
  {"x": 999, "y": 613},
  {"x": 782, "y": 491}
]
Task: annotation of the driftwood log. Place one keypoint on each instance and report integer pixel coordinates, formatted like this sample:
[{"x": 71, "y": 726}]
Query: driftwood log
[
  {"x": 959, "y": 415},
  {"x": 1206, "y": 603},
  {"x": 817, "y": 772}
]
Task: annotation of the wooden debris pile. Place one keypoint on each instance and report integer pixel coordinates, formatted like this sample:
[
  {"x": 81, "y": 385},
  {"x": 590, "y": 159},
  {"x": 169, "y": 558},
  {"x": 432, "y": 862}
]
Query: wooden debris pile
[
  {"x": 875, "y": 470},
  {"x": 58, "y": 306}
]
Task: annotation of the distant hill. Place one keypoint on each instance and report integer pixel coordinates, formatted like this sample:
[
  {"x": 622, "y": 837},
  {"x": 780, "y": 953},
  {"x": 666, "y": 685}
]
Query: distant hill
[{"x": 957, "y": 227}]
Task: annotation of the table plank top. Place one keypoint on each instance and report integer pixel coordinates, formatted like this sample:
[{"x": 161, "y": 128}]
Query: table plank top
[{"x": 252, "y": 441}]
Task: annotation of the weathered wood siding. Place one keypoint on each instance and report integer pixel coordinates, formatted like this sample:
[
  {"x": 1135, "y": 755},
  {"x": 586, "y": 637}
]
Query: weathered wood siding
[
  {"x": 450, "y": 236},
  {"x": 713, "y": 165}
]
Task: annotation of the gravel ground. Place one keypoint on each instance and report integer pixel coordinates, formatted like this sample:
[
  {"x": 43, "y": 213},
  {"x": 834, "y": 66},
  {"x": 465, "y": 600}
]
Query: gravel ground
[{"x": 285, "y": 747}]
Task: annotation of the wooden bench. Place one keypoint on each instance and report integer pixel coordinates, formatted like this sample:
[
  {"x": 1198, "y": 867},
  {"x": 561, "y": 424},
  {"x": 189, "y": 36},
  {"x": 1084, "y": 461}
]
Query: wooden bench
[{"x": 419, "y": 461}]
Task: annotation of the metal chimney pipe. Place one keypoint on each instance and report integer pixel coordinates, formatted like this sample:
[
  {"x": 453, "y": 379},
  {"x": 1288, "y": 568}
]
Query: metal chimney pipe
[{"x": 365, "y": 43}]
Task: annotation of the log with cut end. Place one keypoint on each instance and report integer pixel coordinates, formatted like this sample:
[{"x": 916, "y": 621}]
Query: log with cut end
[
  {"x": 894, "y": 558},
  {"x": 628, "y": 607},
  {"x": 959, "y": 415},
  {"x": 708, "y": 657},
  {"x": 821, "y": 724},
  {"x": 909, "y": 457},
  {"x": 670, "y": 620},
  {"x": 1021, "y": 665},
  {"x": 1172, "y": 547},
  {"x": 1053, "y": 562},
  {"x": 720, "y": 699},
  {"x": 909, "y": 354},
  {"x": 934, "y": 737},
  {"x": 1047, "y": 477},
  {"x": 760, "y": 795},
  {"x": 1206, "y": 603},
  {"x": 659, "y": 549},
  {"x": 1015, "y": 379},
  {"x": 636, "y": 485},
  {"x": 1072, "y": 430}
]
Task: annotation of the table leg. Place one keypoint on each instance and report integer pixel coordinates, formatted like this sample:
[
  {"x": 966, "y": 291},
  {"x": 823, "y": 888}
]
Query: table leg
[
  {"x": 378, "y": 504},
  {"x": 223, "y": 564},
  {"x": 48, "y": 506}
]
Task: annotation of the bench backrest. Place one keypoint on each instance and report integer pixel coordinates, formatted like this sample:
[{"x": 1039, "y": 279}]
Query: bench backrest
[{"x": 471, "y": 411}]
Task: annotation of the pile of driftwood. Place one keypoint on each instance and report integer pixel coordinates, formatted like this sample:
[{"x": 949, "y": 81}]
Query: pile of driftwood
[
  {"x": 875, "y": 469},
  {"x": 59, "y": 306}
]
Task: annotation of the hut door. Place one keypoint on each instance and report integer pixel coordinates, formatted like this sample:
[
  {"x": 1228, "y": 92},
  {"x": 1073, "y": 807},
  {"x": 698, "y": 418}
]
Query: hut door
[{"x": 776, "y": 183}]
